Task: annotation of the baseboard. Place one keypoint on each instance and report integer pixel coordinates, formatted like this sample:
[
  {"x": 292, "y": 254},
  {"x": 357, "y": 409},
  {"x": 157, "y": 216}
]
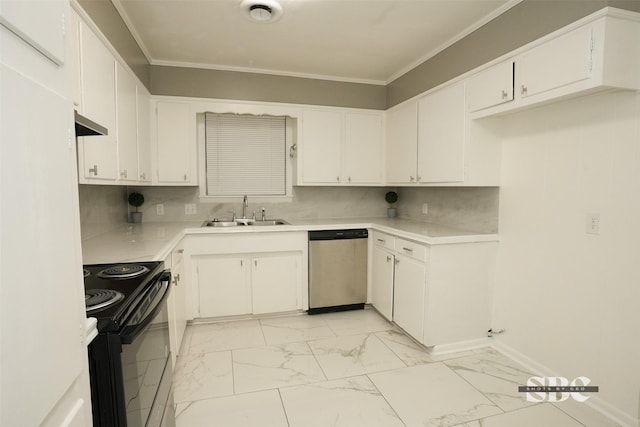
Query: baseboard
[
  {"x": 595, "y": 402},
  {"x": 439, "y": 350}
]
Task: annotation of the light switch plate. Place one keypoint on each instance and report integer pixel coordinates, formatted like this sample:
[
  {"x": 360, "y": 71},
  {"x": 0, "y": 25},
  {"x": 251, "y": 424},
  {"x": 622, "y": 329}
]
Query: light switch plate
[
  {"x": 190, "y": 209},
  {"x": 159, "y": 209},
  {"x": 592, "y": 225}
]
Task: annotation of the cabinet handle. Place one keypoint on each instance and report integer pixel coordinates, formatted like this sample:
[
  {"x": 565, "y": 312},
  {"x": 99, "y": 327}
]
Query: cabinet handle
[
  {"x": 381, "y": 240},
  {"x": 418, "y": 179},
  {"x": 411, "y": 178},
  {"x": 255, "y": 262},
  {"x": 143, "y": 175},
  {"x": 388, "y": 258},
  {"x": 180, "y": 251},
  {"x": 349, "y": 179},
  {"x": 523, "y": 90},
  {"x": 397, "y": 261},
  {"x": 241, "y": 263},
  {"x": 185, "y": 177},
  {"x": 337, "y": 179},
  {"x": 123, "y": 174},
  {"x": 94, "y": 170},
  {"x": 504, "y": 94},
  {"x": 176, "y": 279},
  {"x": 407, "y": 249}
]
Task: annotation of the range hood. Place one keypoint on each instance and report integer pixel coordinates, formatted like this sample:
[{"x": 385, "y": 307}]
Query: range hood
[{"x": 86, "y": 127}]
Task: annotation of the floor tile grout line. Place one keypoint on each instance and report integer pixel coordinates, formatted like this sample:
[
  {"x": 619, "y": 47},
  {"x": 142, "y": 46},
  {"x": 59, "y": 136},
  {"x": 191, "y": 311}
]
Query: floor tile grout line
[
  {"x": 385, "y": 398},
  {"x": 284, "y": 409}
]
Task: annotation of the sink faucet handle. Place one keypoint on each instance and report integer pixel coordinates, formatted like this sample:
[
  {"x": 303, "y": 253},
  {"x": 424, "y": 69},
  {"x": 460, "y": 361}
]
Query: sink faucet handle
[
  {"x": 254, "y": 215},
  {"x": 264, "y": 215},
  {"x": 233, "y": 215}
]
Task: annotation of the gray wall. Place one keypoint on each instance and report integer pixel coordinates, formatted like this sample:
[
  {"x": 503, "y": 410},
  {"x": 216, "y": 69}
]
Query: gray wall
[
  {"x": 178, "y": 81},
  {"x": 520, "y": 25}
]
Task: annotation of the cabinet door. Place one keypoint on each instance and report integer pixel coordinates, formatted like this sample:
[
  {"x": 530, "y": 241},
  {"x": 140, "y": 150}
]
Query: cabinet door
[
  {"x": 557, "y": 63},
  {"x": 408, "y": 295},
  {"x": 223, "y": 286},
  {"x": 100, "y": 153},
  {"x": 179, "y": 324},
  {"x": 491, "y": 87},
  {"x": 441, "y": 133},
  {"x": 402, "y": 144},
  {"x": 175, "y": 143},
  {"x": 363, "y": 148},
  {"x": 321, "y": 147},
  {"x": 144, "y": 134},
  {"x": 127, "y": 125},
  {"x": 276, "y": 283},
  {"x": 382, "y": 281}
]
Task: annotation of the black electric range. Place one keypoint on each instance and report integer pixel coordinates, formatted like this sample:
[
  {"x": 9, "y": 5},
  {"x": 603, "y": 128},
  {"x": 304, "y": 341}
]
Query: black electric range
[{"x": 129, "y": 301}]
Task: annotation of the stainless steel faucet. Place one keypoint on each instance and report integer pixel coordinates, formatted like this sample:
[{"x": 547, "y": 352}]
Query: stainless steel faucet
[{"x": 245, "y": 205}]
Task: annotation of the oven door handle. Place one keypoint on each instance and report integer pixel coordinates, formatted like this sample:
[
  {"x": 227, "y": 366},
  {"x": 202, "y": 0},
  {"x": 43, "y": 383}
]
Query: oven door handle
[{"x": 130, "y": 332}]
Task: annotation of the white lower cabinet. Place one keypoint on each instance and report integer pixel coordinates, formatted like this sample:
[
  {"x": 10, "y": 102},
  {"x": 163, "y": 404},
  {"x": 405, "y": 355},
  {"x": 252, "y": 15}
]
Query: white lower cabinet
[
  {"x": 248, "y": 273},
  {"x": 382, "y": 280},
  {"x": 177, "y": 303},
  {"x": 223, "y": 284},
  {"x": 439, "y": 294},
  {"x": 409, "y": 287}
]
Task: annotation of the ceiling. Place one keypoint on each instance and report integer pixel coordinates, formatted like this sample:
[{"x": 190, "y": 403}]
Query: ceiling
[{"x": 368, "y": 41}]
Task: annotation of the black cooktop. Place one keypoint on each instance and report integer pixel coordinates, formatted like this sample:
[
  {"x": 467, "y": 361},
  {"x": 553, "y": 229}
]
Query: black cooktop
[{"x": 114, "y": 288}]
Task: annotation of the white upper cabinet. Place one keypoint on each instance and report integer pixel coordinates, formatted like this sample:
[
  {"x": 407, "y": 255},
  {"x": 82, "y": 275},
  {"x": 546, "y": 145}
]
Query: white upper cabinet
[
  {"x": 491, "y": 87},
  {"x": 363, "y": 148},
  {"x": 441, "y": 135},
  {"x": 322, "y": 145},
  {"x": 341, "y": 147},
  {"x": 143, "y": 102},
  {"x": 98, "y": 155},
  {"x": 598, "y": 53},
  {"x": 127, "y": 125},
  {"x": 175, "y": 144},
  {"x": 557, "y": 63},
  {"x": 402, "y": 143}
]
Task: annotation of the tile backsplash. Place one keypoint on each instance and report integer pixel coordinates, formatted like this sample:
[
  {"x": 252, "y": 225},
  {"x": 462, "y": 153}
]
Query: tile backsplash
[{"x": 105, "y": 207}]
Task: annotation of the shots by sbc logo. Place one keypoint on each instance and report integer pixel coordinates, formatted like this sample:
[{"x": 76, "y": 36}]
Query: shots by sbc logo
[{"x": 557, "y": 389}]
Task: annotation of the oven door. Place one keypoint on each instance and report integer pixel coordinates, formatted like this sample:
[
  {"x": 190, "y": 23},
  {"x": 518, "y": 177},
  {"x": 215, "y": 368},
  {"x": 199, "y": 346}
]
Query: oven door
[
  {"x": 146, "y": 362},
  {"x": 131, "y": 370}
]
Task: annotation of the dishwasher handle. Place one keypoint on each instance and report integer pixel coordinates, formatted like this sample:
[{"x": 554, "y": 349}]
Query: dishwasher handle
[{"x": 358, "y": 233}]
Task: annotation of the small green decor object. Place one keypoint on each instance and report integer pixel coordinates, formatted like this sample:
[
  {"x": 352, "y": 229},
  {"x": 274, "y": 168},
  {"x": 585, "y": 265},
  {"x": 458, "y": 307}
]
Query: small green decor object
[
  {"x": 136, "y": 200},
  {"x": 391, "y": 197}
]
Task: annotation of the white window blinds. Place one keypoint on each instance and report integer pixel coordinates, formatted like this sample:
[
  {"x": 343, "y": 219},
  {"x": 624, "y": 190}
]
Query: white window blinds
[{"x": 245, "y": 155}]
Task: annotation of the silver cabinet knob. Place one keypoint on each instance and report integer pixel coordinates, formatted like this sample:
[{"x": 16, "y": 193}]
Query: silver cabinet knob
[
  {"x": 411, "y": 179},
  {"x": 143, "y": 175},
  {"x": 504, "y": 94},
  {"x": 123, "y": 174},
  {"x": 388, "y": 258},
  {"x": 523, "y": 90},
  {"x": 94, "y": 170}
]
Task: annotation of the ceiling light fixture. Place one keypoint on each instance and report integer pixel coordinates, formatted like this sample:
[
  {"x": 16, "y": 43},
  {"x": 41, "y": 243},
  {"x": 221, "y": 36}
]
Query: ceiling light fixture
[{"x": 261, "y": 11}]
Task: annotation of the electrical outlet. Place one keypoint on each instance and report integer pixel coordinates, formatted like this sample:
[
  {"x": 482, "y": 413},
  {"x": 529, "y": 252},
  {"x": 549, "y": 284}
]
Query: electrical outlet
[
  {"x": 425, "y": 208},
  {"x": 159, "y": 209},
  {"x": 190, "y": 209},
  {"x": 592, "y": 225}
]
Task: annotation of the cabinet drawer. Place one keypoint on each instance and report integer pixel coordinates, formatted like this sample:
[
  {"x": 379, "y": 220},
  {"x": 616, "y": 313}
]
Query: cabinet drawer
[
  {"x": 411, "y": 249},
  {"x": 383, "y": 240}
]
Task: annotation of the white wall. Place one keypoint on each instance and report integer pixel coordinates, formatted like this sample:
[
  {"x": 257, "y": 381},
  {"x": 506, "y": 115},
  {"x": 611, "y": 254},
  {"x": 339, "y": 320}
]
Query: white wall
[{"x": 570, "y": 301}]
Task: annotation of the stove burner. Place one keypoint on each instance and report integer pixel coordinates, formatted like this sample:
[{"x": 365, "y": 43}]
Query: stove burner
[
  {"x": 95, "y": 299},
  {"x": 86, "y": 272},
  {"x": 123, "y": 271}
]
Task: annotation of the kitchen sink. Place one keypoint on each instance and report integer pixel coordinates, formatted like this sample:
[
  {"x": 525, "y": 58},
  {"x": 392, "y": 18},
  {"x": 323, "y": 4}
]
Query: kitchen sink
[{"x": 243, "y": 222}]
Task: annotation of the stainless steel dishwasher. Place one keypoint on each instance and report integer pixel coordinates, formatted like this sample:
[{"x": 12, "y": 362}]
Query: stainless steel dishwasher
[{"x": 337, "y": 270}]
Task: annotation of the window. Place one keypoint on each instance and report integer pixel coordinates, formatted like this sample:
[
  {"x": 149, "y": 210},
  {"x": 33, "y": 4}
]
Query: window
[{"x": 245, "y": 154}]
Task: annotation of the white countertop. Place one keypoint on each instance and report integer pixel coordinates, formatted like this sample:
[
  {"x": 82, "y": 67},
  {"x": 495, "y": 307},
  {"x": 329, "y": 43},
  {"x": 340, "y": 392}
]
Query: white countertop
[{"x": 154, "y": 240}]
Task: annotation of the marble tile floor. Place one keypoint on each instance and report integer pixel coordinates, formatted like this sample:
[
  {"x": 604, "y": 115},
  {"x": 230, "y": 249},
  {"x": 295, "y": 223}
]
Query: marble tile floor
[{"x": 349, "y": 369}]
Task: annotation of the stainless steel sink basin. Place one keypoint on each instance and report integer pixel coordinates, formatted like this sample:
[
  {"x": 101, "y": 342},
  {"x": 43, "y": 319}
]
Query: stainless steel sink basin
[
  {"x": 243, "y": 222},
  {"x": 270, "y": 222}
]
